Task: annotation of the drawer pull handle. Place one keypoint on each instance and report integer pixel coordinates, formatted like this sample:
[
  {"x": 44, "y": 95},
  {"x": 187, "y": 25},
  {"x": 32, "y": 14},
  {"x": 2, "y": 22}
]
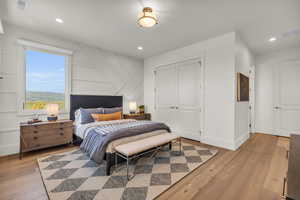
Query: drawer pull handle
[
  {"x": 35, "y": 131},
  {"x": 35, "y": 138},
  {"x": 61, "y": 128},
  {"x": 61, "y": 133}
]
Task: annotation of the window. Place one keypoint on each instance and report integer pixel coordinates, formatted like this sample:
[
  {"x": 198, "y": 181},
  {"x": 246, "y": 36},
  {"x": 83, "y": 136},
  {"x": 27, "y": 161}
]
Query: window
[{"x": 45, "y": 79}]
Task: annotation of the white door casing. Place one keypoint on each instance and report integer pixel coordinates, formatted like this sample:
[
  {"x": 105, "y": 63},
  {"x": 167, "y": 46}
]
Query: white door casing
[
  {"x": 287, "y": 98},
  {"x": 252, "y": 99}
]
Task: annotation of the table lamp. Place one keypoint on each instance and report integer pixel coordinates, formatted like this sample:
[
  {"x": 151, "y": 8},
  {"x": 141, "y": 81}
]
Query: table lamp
[
  {"x": 132, "y": 107},
  {"x": 52, "y": 111}
]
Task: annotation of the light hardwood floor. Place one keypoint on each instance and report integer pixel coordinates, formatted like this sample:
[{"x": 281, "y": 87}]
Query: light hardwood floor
[{"x": 253, "y": 172}]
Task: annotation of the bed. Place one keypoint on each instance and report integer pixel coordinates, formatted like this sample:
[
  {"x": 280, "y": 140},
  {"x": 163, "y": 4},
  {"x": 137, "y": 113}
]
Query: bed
[{"x": 98, "y": 139}]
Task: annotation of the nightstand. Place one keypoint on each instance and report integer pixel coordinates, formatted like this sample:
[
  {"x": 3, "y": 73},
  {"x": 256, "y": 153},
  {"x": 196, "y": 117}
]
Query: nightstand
[
  {"x": 45, "y": 134},
  {"x": 144, "y": 116}
]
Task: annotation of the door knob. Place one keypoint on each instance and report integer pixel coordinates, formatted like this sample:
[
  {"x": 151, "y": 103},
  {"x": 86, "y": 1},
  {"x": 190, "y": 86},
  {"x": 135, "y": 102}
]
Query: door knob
[{"x": 276, "y": 107}]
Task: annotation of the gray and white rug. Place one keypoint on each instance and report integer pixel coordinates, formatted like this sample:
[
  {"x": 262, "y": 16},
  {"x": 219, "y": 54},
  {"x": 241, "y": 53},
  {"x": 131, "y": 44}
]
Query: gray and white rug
[{"x": 73, "y": 176}]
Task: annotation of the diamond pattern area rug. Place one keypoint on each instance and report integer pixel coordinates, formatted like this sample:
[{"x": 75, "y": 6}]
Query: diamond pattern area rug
[{"x": 73, "y": 176}]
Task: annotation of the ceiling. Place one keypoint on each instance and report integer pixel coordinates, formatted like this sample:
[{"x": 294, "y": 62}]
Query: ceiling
[{"x": 111, "y": 24}]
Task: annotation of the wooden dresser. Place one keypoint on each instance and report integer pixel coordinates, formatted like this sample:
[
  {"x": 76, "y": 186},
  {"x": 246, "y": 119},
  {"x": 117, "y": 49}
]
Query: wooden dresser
[
  {"x": 293, "y": 175},
  {"x": 144, "y": 116},
  {"x": 45, "y": 134}
]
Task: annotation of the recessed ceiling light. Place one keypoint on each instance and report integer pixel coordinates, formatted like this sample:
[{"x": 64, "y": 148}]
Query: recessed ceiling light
[
  {"x": 59, "y": 20},
  {"x": 140, "y": 48},
  {"x": 272, "y": 39}
]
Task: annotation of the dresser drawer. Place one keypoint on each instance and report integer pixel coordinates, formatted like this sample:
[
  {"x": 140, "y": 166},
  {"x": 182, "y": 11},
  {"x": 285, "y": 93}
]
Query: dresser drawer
[
  {"x": 42, "y": 132},
  {"x": 68, "y": 132},
  {"x": 32, "y": 142},
  {"x": 43, "y": 127}
]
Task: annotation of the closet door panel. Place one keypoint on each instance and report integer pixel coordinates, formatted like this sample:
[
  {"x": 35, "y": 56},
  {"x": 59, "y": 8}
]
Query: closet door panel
[
  {"x": 169, "y": 117},
  {"x": 166, "y": 94},
  {"x": 189, "y": 80},
  {"x": 189, "y": 100},
  {"x": 189, "y": 125},
  {"x": 166, "y": 86},
  {"x": 178, "y": 98}
]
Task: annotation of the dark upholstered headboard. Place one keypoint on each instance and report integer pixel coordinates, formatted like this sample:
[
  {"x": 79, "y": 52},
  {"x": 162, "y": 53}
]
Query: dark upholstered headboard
[{"x": 92, "y": 101}]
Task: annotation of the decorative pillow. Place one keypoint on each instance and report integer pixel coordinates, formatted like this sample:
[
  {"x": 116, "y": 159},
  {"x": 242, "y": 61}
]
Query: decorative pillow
[
  {"x": 107, "y": 117},
  {"x": 85, "y": 114},
  {"x": 112, "y": 110}
]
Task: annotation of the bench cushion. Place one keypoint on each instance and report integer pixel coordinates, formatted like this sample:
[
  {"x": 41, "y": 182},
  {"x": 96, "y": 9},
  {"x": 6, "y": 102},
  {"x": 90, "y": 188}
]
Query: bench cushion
[{"x": 139, "y": 146}]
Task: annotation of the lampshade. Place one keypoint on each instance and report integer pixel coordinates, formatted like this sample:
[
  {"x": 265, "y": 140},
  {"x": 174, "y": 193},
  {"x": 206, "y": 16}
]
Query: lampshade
[
  {"x": 132, "y": 106},
  {"x": 147, "y": 18},
  {"x": 52, "y": 109}
]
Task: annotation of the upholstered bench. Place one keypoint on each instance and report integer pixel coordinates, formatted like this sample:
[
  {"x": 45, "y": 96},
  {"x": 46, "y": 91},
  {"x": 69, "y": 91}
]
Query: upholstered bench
[{"x": 138, "y": 148}]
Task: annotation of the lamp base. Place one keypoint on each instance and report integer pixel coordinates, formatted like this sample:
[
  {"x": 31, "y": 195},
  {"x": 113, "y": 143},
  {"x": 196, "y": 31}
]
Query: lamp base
[{"x": 52, "y": 118}]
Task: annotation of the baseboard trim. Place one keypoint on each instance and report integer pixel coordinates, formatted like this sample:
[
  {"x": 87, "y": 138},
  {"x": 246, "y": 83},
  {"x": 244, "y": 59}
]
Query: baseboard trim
[
  {"x": 241, "y": 139},
  {"x": 226, "y": 144},
  {"x": 265, "y": 131},
  {"x": 9, "y": 149}
]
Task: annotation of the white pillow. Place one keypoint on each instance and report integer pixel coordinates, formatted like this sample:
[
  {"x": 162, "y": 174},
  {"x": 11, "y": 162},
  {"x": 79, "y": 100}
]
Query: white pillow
[{"x": 77, "y": 117}]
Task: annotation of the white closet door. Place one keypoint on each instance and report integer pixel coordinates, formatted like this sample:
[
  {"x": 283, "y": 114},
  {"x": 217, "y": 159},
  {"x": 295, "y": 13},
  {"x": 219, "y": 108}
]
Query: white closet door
[
  {"x": 166, "y": 95},
  {"x": 189, "y": 100},
  {"x": 287, "y": 99}
]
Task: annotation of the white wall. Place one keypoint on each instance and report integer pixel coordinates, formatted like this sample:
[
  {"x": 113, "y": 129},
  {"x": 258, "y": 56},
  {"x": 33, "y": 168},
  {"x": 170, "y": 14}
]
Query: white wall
[
  {"x": 243, "y": 62},
  {"x": 219, "y": 103},
  {"x": 265, "y": 65},
  {"x": 94, "y": 71}
]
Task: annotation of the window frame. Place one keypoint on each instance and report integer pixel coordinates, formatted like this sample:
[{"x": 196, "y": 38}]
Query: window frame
[{"x": 28, "y": 45}]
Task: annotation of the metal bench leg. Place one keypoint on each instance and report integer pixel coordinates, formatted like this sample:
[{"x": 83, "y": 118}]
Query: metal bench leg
[
  {"x": 180, "y": 146},
  {"x": 127, "y": 160},
  {"x": 155, "y": 152},
  {"x": 128, "y": 176},
  {"x": 116, "y": 161}
]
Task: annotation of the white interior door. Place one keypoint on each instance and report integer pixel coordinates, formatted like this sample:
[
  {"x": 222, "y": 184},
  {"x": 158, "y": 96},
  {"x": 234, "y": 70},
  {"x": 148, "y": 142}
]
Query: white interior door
[
  {"x": 287, "y": 98},
  {"x": 189, "y": 100},
  {"x": 166, "y": 95}
]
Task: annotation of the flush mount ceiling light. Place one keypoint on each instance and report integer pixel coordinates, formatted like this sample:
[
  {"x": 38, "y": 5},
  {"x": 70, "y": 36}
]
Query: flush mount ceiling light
[
  {"x": 58, "y": 20},
  {"x": 272, "y": 39},
  {"x": 140, "y": 48},
  {"x": 147, "y": 18}
]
